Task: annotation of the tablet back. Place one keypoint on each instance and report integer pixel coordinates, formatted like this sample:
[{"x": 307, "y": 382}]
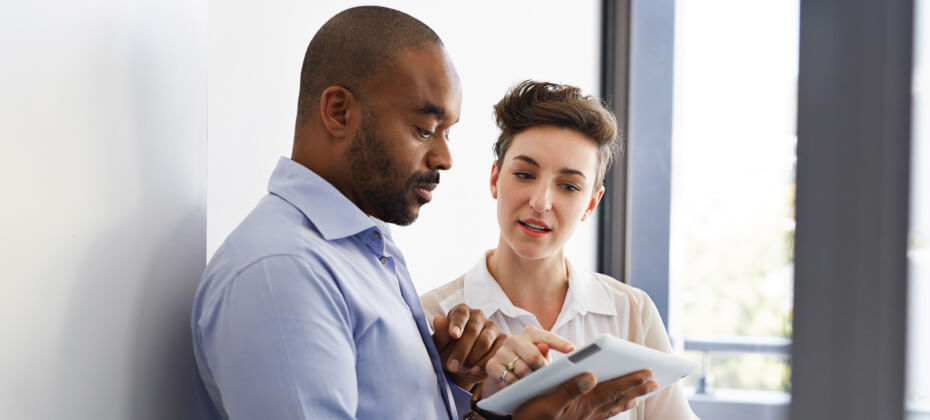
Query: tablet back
[{"x": 608, "y": 357}]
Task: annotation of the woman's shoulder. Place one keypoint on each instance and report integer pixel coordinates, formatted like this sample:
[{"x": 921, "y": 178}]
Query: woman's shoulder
[
  {"x": 433, "y": 300},
  {"x": 615, "y": 287}
]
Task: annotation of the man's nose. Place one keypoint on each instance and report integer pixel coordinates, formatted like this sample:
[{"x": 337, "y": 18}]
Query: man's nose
[{"x": 440, "y": 157}]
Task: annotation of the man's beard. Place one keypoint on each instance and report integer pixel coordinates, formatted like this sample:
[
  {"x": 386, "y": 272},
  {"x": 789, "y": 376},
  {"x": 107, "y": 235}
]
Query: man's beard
[{"x": 380, "y": 180}]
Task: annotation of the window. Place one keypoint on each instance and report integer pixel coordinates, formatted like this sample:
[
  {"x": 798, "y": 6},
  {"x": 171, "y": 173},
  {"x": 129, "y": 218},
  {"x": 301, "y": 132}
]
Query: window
[
  {"x": 711, "y": 116},
  {"x": 732, "y": 192},
  {"x": 918, "y": 254}
]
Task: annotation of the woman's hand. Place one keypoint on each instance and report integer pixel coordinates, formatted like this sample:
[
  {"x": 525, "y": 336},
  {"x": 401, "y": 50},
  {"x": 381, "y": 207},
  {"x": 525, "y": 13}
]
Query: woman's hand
[
  {"x": 520, "y": 355},
  {"x": 580, "y": 398}
]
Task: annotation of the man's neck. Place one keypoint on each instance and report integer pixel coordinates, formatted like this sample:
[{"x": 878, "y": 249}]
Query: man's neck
[{"x": 538, "y": 286}]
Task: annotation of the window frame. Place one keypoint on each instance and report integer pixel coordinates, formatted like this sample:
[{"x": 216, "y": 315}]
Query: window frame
[{"x": 854, "y": 120}]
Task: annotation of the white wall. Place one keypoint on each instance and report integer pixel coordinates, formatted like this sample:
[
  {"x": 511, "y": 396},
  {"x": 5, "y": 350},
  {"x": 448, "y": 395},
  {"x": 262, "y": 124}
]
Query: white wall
[
  {"x": 256, "y": 50},
  {"x": 102, "y": 218}
]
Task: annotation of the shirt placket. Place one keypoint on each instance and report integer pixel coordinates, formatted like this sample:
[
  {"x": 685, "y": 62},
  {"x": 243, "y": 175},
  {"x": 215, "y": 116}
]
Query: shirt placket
[{"x": 374, "y": 241}]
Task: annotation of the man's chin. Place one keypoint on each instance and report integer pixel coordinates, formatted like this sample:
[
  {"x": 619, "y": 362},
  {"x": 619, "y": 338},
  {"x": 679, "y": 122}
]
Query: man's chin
[
  {"x": 403, "y": 218},
  {"x": 410, "y": 217}
]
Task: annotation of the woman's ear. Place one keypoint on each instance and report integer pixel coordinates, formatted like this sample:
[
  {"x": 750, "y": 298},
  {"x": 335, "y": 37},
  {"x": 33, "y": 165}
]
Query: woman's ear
[
  {"x": 339, "y": 112},
  {"x": 595, "y": 199},
  {"x": 495, "y": 173}
]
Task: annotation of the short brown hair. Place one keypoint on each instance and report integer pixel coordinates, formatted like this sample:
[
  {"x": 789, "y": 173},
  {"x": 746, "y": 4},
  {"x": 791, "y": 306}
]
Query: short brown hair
[{"x": 532, "y": 103}]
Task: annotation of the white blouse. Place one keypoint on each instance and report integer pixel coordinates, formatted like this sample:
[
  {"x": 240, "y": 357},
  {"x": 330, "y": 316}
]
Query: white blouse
[{"x": 594, "y": 304}]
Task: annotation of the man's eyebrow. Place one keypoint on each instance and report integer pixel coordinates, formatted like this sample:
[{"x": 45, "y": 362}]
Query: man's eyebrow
[
  {"x": 566, "y": 171},
  {"x": 432, "y": 109}
]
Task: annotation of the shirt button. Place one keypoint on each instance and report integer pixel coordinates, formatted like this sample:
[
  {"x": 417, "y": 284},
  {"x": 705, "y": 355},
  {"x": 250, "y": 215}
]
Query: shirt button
[
  {"x": 376, "y": 236},
  {"x": 383, "y": 260}
]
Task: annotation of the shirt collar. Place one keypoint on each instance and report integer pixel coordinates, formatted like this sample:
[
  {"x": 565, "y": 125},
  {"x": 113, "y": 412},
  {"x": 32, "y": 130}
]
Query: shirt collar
[
  {"x": 482, "y": 292},
  {"x": 334, "y": 215}
]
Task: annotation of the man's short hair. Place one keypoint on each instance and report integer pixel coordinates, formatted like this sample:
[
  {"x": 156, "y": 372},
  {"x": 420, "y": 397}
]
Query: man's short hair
[
  {"x": 531, "y": 103},
  {"x": 353, "y": 46}
]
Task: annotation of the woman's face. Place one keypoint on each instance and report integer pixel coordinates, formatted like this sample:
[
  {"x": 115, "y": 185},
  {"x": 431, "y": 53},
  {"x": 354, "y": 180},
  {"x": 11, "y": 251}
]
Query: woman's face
[{"x": 544, "y": 187}]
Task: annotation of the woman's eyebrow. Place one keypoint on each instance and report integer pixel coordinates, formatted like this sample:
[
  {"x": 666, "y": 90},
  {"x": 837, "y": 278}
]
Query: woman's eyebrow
[
  {"x": 527, "y": 159},
  {"x": 564, "y": 171},
  {"x": 568, "y": 171}
]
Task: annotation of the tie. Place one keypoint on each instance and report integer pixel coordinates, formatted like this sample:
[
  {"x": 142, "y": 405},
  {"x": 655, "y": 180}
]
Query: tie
[{"x": 413, "y": 302}]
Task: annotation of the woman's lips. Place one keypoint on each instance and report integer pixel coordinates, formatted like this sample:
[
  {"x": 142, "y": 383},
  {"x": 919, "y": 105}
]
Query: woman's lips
[{"x": 533, "y": 229}]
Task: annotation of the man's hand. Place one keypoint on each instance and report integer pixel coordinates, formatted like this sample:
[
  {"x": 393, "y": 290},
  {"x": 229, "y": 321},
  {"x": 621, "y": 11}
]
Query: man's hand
[
  {"x": 580, "y": 399},
  {"x": 466, "y": 340}
]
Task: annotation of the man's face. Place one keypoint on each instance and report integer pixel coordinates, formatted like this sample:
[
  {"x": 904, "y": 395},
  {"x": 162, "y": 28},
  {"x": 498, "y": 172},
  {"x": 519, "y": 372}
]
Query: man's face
[{"x": 401, "y": 143}]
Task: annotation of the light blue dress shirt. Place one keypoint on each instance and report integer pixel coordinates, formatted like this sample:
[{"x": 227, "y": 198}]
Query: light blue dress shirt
[{"x": 307, "y": 311}]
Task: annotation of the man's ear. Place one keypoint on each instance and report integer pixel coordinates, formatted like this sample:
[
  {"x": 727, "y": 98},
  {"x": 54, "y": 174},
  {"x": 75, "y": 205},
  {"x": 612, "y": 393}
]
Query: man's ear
[
  {"x": 596, "y": 198},
  {"x": 339, "y": 112},
  {"x": 495, "y": 173}
]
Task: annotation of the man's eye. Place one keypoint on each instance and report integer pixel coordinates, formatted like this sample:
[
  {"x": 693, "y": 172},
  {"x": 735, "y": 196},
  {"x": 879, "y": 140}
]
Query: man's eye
[{"x": 424, "y": 133}]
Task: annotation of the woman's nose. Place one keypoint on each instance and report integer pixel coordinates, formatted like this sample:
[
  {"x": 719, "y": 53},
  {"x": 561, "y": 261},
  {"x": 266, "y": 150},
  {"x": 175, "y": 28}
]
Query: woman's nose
[{"x": 541, "y": 201}]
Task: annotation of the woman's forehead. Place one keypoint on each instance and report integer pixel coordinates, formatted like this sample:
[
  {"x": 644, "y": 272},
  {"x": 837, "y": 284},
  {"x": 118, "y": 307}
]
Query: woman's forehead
[{"x": 554, "y": 147}]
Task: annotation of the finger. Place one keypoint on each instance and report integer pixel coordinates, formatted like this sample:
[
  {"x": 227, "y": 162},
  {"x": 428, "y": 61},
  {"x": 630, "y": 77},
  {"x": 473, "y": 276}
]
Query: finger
[
  {"x": 613, "y": 390},
  {"x": 498, "y": 364},
  {"x": 628, "y": 399},
  {"x": 543, "y": 407},
  {"x": 619, "y": 408},
  {"x": 483, "y": 344},
  {"x": 554, "y": 342},
  {"x": 441, "y": 332},
  {"x": 521, "y": 369},
  {"x": 528, "y": 352},
  {"x": 544, "y": 349},
  {"x": 462, "y": 347},
  {"x": 496, "y": 347},
  {"x": 640, "y": 390},
  {"x": 458, "y": 317}
]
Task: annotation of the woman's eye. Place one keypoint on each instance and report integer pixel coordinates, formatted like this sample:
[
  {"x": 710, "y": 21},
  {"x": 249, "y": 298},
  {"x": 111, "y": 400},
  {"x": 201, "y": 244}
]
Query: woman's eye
[
  {"x": 570, "y": 187},
  {"x": 522, "y": 175}
]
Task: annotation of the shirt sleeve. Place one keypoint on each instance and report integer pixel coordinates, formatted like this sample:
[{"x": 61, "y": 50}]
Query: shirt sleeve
[
  {"x": 669, "y": 403},
  {"x": 462, "y": 399},
  {"x": 278, "y": 341}
]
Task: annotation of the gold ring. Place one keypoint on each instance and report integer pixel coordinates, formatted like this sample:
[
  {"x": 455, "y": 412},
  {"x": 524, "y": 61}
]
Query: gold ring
[{"x": 513, "y": 364}]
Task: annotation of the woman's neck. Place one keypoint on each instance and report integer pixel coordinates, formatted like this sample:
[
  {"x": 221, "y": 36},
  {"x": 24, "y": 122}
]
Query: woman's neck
[{"x": 538, "y": 286}]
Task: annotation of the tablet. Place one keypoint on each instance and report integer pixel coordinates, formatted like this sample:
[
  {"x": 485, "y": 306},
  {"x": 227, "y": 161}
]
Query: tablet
[{"x": 607, "y": 357}]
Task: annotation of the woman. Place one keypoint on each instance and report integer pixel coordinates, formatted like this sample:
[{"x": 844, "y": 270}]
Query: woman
[{"x": 553, "y": 151}]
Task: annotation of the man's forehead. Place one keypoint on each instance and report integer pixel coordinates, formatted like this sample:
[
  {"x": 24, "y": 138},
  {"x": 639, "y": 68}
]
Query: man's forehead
[{"x": 424, "y": 81}]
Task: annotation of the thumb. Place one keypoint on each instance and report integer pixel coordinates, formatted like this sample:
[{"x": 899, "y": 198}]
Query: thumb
[
  {"x": 574, "y": 388},
  {"x": 553, "y": 405},
  {"x": 441, "y": 334}
]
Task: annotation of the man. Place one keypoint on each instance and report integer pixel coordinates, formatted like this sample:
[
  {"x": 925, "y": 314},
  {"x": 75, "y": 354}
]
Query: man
[{"x": 307, "y": 309}]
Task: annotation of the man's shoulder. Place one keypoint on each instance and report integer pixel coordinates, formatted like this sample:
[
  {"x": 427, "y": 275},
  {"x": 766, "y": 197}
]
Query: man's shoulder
[
  {"x": 274, "y": 233},
  {"x": 274, "y": 227}
]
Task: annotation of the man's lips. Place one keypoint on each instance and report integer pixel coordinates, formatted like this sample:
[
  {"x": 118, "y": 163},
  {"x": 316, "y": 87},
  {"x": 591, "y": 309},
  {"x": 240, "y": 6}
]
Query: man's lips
[{"x": 425, "y": 191}]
